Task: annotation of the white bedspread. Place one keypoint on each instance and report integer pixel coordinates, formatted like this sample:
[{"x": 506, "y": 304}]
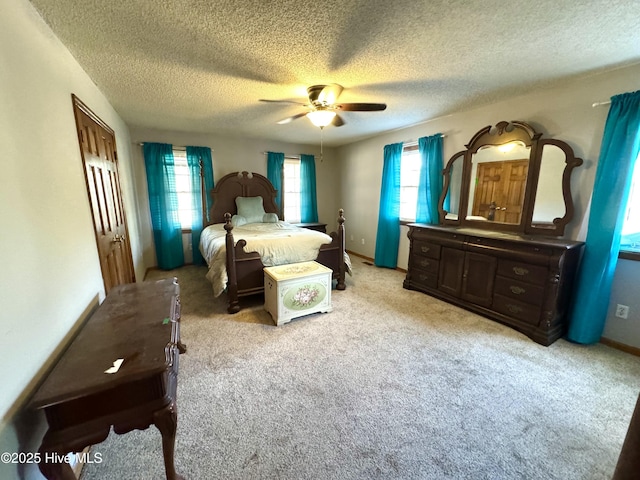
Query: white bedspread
[{"x": 276, "y": 243}]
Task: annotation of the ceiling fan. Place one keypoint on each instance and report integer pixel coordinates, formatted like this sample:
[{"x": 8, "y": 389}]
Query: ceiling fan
[{"x": 323, "y": 107}]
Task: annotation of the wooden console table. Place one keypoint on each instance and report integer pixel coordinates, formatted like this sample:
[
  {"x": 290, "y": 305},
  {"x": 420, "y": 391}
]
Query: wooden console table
[{"x": 140, "y": 324}]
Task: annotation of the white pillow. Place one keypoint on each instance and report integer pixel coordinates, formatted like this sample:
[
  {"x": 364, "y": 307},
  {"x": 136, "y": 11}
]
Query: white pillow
[
  {"x": 238, "y": 221},
  {"x": 270, "y": 218},
  {"x": 251, "y": 208}
]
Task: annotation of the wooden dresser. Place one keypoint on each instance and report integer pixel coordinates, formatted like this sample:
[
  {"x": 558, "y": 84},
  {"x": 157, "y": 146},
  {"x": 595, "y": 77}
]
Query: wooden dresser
[
  {"x": 137, "y": 326},
  {"x": 524, "y": 282}
]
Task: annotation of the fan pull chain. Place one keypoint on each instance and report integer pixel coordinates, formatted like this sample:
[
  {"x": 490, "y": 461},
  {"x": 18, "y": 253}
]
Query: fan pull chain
[{"x": 321, "y": 132}]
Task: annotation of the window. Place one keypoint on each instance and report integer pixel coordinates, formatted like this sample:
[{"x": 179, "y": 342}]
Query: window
[
  {"x": 291, "y": 191},
  {"x": 630, "y": 240},
  {"x": 183, "y": 188},
  {"x": 409, "y": 179}
]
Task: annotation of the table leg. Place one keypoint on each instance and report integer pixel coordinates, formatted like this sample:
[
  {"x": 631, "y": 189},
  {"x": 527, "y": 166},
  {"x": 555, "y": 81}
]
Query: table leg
[
  {"x": 167, "y": 422},
  {"x": 53, "y": 470}
]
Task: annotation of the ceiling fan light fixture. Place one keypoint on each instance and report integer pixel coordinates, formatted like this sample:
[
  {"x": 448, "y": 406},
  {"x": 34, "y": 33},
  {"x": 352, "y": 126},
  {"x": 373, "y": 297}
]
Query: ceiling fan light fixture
[{"x": 321, "y": 118}]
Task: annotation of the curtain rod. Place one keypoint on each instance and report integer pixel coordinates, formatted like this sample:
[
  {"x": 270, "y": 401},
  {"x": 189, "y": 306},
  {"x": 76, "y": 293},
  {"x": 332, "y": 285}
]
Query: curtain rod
[
  {"x": 600, "y": 104},
  {"x": 411, "y": 140},
  {"x": 290, "y": 157},
  {"x": 174, "y": 147}
]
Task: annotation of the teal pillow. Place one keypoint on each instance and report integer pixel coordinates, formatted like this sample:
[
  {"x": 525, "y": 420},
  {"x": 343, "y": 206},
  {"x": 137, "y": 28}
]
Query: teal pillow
[
  {"x": 270, "y": 218},
  {"x": 251, "y": 208}
]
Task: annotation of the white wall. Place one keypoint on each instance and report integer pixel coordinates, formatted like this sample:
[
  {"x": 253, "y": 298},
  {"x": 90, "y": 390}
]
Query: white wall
[
  {"x": 564, "y": 112},
  {"x": 625, "y": 290},
  {"x": 229, "y": 155},
  {"x": 51, "y": 275}
]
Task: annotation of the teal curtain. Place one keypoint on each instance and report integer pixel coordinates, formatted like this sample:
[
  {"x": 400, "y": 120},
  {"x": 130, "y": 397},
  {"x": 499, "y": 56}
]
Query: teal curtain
[
  {"x": 194, "y": 156},
  {"x": 308, "y": 201},
  {"x": 388, "y": 236},
  {"x": 275, "y": 165},
  {"x": 619, "y": 150},
  {"x": 430, "y": 185},
  {"x": 163, "y": 203}
]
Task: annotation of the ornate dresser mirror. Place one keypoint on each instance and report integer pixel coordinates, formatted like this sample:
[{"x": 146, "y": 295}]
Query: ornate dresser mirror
[
  {"x": 510, "y": 179},
  {"x": 505, "y": 198}
]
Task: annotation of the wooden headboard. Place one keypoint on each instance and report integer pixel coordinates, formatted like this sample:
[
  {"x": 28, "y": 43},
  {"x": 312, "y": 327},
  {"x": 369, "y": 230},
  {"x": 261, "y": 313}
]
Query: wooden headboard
[{"x": 240, "y": 184}]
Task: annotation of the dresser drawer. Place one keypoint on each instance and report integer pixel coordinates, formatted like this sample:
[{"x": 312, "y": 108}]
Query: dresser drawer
[
  {"x": 424, "y": 278},
  {"x": 425, "y": 263},
  {"x": 516, "y": 309},
  {"x": 525, "y": 292},
  {"x": 522, "y": 271},
  {"x": 426, "y": 249}
]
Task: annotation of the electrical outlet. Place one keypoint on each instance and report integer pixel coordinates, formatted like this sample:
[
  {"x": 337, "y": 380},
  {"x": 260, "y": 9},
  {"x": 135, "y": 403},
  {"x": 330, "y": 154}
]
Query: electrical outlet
[
  {"x": 622, "y": 311},
  {"x": 352, "y": 238},
  {"x": 363, "y": 241}
]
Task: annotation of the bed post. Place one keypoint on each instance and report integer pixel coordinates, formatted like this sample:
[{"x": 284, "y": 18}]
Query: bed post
[
  {"x": 340, "y": 285},
  {"x": 232, "y": 282}
]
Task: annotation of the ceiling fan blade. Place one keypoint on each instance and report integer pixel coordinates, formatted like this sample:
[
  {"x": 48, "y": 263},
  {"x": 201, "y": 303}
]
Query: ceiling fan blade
[
  {"x": 291, "y": 118},
  {"x": 361, "y": 107},
  {"x": 337, "y": 121},
  {"x": 281, "y": 101}
]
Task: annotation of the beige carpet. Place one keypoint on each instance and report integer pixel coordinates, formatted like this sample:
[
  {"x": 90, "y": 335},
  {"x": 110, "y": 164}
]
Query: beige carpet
[{"x": 392, "y": 384}]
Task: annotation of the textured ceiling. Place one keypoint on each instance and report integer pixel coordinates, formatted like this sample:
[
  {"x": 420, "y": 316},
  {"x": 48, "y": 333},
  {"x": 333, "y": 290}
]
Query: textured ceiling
[{"x": 201, "y": 65}]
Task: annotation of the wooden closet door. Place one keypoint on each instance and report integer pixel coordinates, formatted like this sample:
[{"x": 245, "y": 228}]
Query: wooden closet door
[
  {"x": 100, "y": 161},
  {"x": 503, "y": 184},
  {"x": 513, "y": 188}
]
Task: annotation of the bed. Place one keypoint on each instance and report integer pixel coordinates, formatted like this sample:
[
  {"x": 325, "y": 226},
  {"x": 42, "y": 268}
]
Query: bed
[{"x": 236, "y": 264}]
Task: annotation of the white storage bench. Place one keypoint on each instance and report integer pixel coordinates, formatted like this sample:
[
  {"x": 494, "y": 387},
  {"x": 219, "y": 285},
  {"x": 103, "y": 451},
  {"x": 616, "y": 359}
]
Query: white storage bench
[{"x": 297, "y": 289}]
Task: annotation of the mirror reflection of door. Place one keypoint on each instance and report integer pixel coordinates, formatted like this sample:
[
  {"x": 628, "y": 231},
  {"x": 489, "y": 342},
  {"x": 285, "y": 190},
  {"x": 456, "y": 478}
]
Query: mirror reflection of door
[{"x": 499, "y": 190}]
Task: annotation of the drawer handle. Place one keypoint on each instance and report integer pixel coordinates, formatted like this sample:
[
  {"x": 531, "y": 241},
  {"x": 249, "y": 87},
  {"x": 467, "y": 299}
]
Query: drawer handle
[
  {"x": 422, "y": 277},
  {"x": 424, "y": 249},
  {"x": 514, "y": 308},
  {"x": 520, "y": 271},
  {"x": 517, "y": 290},
  {"x": 425, "y": 263}
]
